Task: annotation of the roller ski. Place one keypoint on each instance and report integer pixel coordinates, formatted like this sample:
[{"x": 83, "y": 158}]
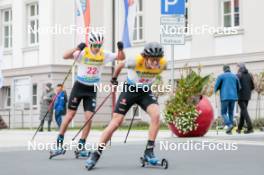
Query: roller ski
[
  {"x": 56, "y": 152},
  {"x": 92, "y": 160},
  {"x": 149, "y": 159},
  {"x": 81, "y": 153}
]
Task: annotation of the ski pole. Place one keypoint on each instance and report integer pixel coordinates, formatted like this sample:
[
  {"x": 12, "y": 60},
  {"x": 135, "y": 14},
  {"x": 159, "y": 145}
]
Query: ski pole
[
  {"x": 131, "y": 124},
  {"x": 92, "y": 116},
  {"x": 54, "y": 98}
]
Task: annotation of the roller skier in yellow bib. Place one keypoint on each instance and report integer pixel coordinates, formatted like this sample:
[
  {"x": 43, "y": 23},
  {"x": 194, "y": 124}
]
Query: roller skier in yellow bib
[
  {"x": 90, "y": 64},
  {"x": 142, "y": 72}
]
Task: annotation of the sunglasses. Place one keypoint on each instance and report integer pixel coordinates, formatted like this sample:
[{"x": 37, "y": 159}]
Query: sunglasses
[
  {"x": 96, "y": 45},
  {"x": 155, "y": 59}
]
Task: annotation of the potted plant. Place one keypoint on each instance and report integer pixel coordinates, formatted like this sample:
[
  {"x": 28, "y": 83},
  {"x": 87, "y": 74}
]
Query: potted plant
[{"x": 188, "y": 112}]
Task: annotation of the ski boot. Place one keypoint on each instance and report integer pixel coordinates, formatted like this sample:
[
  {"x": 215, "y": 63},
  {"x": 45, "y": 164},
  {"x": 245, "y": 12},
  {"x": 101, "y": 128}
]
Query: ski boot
[
  {"x": 92, "y": 160},
  {"x": 150, "y": 159},
  {"x": 81, "y": 153},
  {"x": 56, "y": 152},
  {"x": 81, "y": 150}
]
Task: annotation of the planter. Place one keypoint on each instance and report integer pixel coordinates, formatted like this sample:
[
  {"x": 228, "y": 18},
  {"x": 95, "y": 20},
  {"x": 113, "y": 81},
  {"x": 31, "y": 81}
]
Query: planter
[{"x": 204, "y": 120}]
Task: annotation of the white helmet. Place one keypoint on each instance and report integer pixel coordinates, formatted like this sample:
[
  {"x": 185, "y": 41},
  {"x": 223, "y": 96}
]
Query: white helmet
[{"x": 96, "y": 38}]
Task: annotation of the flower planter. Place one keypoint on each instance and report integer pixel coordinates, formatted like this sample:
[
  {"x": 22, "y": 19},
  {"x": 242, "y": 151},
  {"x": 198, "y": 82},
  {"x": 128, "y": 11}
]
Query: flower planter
[{"x": 204, "y": 120}]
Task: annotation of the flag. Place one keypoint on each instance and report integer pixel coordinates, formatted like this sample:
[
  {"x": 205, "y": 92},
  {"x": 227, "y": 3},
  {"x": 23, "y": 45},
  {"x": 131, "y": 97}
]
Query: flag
[
  {"x": 1, "y": 63},
  {"x": 130, "y": 12},
  {"x": 82, "y": 20}
]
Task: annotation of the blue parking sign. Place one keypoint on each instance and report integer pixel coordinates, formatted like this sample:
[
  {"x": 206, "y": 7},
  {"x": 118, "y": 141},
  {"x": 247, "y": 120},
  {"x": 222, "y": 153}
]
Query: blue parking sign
[{"x": 172, "y": 7}]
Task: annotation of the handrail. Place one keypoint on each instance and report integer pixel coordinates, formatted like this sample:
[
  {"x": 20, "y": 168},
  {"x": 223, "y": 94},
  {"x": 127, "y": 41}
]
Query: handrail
[{"x": 9, "y": 116}]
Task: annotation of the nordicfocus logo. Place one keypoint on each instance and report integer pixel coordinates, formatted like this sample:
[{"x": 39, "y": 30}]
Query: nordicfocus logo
[
  {"x": 197, "y": 30},
  {"x": 123, "y": 87},
  {"x": 191, "y": 145},
  {"x": 72, "y": 146},
  {"x": 59, "y": 29}
]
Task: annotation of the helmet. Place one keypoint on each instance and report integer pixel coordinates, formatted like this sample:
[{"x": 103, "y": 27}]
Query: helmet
[
  {"x": 153, "y": 49},
  {"x": 96, "y": 38}
]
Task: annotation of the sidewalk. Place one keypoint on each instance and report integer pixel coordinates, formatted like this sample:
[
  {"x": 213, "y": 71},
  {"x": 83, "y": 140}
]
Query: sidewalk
[{"x": 21, "y": 138}]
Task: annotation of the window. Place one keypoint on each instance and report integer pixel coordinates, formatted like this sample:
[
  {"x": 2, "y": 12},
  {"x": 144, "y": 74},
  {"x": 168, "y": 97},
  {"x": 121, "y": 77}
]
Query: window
[
  {"x": 6, "y": 91},
  {"x": 7, "y": 28},
  {"x": 138, "y": 26},
  {"x": 35, "y": 95},
  {"x": 230, "y": 13},
  {"x": 33, "y": 23}
]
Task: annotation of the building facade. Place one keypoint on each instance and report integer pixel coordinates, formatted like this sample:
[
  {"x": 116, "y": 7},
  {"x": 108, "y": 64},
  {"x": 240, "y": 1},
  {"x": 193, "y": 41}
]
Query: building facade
[{"x": 39, "y": 55}]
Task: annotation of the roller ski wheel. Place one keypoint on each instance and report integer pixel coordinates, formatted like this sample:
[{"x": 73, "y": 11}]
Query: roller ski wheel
[
  {"x": 82, "y": 154},
  {"x": 165, "y": 164},
  {"x": 92, "y": 160},
  {"x": 142, "y": 161},
  {"x": 55, "y": 153},
  {"x": 151, "y": 160}
]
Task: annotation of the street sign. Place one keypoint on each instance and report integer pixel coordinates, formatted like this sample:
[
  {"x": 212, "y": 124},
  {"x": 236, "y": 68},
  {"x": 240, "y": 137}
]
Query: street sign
[
  {"x": 172, "y": 7},
  {"x": 172, "y": 26},
  {"x": 172, "y": 30}
]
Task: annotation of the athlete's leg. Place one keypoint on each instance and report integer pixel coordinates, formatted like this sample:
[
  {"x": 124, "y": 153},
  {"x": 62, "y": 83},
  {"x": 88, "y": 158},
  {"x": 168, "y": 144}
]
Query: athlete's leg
[
  {"x": 86, "y": 129},
  {"x": 149, "y": 103},
  {"x": 65, "y": 123},
  {"x": 154, "y": 113},
  {"x": 89, "y": 105},
  {"x": 125, "y": 101},
  {"x": 105, "y": 137},
  {"x": 111, "y": 128}
]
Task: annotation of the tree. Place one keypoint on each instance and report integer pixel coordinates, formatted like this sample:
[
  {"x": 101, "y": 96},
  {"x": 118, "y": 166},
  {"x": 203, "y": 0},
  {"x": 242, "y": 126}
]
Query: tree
[{"x": 259, "y": 88}]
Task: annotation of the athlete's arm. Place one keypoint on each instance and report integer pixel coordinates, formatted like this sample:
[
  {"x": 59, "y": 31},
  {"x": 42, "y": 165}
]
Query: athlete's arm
[
  {"x": 120, "y": 54},
  {"x": 70, "y": 53},
  {"x": 119, "y": 68}
]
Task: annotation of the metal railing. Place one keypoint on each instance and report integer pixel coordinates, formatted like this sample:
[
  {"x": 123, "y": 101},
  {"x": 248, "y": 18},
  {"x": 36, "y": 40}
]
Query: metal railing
[{"x": 9, "y": 116}]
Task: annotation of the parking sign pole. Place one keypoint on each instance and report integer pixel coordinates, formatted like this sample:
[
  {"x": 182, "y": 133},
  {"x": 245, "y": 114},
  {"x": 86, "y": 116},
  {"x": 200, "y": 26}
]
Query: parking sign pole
[{"x": 172, "y": 17}]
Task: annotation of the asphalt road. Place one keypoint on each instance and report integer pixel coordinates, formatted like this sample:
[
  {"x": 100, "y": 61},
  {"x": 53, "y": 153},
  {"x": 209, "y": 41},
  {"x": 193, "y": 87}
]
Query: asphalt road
[{"x": 124, "y": 159}]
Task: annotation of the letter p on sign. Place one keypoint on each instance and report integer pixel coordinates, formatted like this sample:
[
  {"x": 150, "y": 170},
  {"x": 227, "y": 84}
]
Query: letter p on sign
[
  {"x": 172, "y": 7},
  {"x": 169, "y": 3}
]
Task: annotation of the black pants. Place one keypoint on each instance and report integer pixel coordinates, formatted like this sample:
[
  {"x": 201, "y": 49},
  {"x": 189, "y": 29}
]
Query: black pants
[
  {"x": 42, "y": 124},
  {"x": 244, "y": 116}
]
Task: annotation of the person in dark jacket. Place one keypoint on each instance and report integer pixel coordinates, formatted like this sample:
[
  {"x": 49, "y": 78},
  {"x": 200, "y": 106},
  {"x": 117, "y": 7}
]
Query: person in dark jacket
[
  {"x": 244, "y": 95},
  {"x": 45, "y": 102},
  {"x": 60, "y": 104},
  {"x": 228, "y": 84}
]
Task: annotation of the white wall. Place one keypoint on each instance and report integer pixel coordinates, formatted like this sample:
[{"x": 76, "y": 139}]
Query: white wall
[
  {"x": 253, "y": 12},
  {"x": 64, "y": 16}
]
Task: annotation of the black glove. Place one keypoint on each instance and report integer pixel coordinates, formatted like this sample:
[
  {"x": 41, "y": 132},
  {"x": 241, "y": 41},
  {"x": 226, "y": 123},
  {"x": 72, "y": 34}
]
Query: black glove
[
  {"x": 114, "y": 81},
  {"x": 120, "y": 45},
  {"x": 81, "y": 46}
]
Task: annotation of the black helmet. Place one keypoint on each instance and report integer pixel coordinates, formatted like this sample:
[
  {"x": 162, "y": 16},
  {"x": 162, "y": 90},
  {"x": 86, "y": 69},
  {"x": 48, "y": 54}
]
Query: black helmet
[
  {"x": 153, "y": 49},
  {"x": 96, "y": 38}
]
